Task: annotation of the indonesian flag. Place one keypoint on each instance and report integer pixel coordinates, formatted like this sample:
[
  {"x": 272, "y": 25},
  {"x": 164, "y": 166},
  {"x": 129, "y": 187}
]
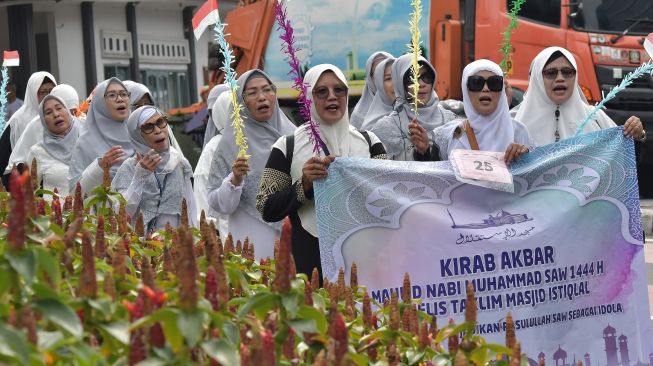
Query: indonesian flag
[
  {"x": 205, "y": 16},
  {"x": 648, "y": 45},
  {"x": 10, "y": 58}
]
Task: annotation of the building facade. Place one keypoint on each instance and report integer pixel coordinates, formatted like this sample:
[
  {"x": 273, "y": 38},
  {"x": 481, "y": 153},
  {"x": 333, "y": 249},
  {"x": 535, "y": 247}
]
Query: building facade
[{"x": 84, "y": 42}]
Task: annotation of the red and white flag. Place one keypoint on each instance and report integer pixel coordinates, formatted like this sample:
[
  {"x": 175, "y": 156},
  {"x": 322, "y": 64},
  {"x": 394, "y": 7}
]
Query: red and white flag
[
  {"x": 648, "y": 45},
  {"x": 10, "y": 59},
  {"x": 205, "y": 16}
]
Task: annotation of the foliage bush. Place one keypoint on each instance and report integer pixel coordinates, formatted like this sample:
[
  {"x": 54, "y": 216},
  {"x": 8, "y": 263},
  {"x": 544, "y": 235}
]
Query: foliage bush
[{"x": 80, "y": 286}]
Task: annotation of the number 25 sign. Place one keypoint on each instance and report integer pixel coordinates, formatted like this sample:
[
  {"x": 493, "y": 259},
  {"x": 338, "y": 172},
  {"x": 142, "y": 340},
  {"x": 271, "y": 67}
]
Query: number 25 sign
[{"x": 481, "y": 165}]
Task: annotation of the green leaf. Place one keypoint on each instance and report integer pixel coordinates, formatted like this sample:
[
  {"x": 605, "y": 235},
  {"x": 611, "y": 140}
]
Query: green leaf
[
  {"x": 13, "y": 344},
  {"x": 104, "y": 306},
  {"x": 261, "y": 302},
  {"x": 290, "y": 303},
  {"x": 231, "y": 331},
  {"x": 222, "y": 350},
  {"x": 191, "y": 326},
  {"x": 49, "y": 340},
  {"x": 497, "y": 348},
  {"x": 43, "y": 291},
  {"x": 168, "y": 319},
  {"x": 42, "y": 223},
  {"x": 61, "y": 315},
  {"x": 49, "y": 265},
  {"x": 5, "y": 278},
  {"x": 479, "y": 356},
  {"x": 307, "y": 312},
  {"x": 440, "y": 360},
  {"x": 24, "y": 263},
  {"x": 360, "y": 359},
  {"x": 118, "y": 330},
  {"x": 414, "y": 356},
  {"x": 301, "y": 326}
]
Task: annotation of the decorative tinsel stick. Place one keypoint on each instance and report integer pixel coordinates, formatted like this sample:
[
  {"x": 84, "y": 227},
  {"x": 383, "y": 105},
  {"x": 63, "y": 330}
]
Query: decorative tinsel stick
[
  {"x": 230, "y": 80},
  {"x": 415, "y": 50},
  {"x": 506, "y": 46},
  {"x": 646, "y": 68},
  {"x": 288, "y": 39},
  {"x": 3, "y": 98}
]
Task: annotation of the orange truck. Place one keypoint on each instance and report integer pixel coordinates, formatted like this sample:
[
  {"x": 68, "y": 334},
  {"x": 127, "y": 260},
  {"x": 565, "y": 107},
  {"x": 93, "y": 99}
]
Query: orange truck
[{"x": 605, "y": 36}]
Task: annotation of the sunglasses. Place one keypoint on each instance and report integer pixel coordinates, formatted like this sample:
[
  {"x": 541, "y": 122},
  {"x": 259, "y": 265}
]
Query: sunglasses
[
  {"x": 476, "y": 83},
  {"x": 148, "y": 128},
  {"x": 567, "y": 73},
  {"x": 323, "y": 92}
]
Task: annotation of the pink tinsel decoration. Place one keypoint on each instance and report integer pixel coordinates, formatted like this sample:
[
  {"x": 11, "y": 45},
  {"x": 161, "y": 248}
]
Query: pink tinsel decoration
[{"x": 298, "y": 84}]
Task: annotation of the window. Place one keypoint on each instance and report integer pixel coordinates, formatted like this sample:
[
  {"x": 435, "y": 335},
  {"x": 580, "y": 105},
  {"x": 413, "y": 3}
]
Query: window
[
  {"x": 547, "y": 11},
  {"x": 121, "y": 72}
]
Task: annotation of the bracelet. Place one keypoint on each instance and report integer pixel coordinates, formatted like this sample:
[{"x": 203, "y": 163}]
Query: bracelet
[{"x": 643, "y": 138}]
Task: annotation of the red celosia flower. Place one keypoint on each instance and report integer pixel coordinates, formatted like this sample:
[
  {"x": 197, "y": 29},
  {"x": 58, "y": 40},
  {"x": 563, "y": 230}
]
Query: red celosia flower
[
  {"x": 17, "y": 214},
  {"x": 87, "y": 280},
  {"x": 78, "y": 203},
  {"x": 211, "y": 288},
  {"x": 100, "y": 245},
  {"x": 187, "y": 271},
  {"x": 56, "y": 215}
]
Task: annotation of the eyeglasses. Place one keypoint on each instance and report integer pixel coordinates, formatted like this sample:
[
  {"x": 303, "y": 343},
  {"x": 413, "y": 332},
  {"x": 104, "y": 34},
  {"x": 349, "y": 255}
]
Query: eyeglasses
[
  {"x": 266, "y": 91},
  {"x": 322, "y": 92},
  {"x": 476, "y": 83},
  {"x": 567, "y": 73},
  {"x": 114, "y": 95},
  {"x": 148, "y": 128}
]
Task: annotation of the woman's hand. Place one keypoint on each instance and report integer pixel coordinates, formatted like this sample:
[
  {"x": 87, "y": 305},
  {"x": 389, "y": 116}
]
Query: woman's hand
[
  {"x": 513, "y": 152},
  {"x": 113, "y": 156},
  {"x": 418, "y": 137},
  {"x": 634, "y": 128},
  {"x": 239, "y": 168},
  {"x": 150, "y": 161},
  {"x": 315, "y": 168}
]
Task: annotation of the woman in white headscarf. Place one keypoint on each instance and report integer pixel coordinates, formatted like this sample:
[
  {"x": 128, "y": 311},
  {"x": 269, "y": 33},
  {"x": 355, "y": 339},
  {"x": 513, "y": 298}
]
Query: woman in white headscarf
[
  {"x": 488, "y": 126},
  {"x": 220, "y": 116},
  {"x": 384, "y": 99},
  {"x": 287, "y": 184},
  {"x": 364, "y": 103},
  {"x": 38, "y": 86},
  {"x": 212, "y": 128},
  {"x": 554, "y": 105},
  {"x": 234, "y": 180},
  {"x": 392, "y": 130},
  {"x": 60, "y": 131},
  {"x": 155, "y": 181},
  {"x": 104, "y": 141},
  {"x": 33, "y": 134}
]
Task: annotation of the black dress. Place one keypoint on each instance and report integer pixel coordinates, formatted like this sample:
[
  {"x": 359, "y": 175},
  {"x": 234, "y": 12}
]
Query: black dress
[{"x": 279, "y": 197}]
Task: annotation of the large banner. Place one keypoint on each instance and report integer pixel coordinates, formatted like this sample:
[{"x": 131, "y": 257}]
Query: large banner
[{"x": 564, "y": 253}]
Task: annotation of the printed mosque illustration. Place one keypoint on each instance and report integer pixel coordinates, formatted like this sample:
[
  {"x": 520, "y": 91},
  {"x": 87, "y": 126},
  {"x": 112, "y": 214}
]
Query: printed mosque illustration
[
  {"x": 616, "y": 352},
  {"x": 502, "y": 218}
]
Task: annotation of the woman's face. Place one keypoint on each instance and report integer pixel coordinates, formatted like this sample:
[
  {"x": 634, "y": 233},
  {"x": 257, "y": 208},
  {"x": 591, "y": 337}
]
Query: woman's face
[
  {"x": 155, "y": 133},
  {"x": 56, "y": 117},
  {"x": 485, "y": 101},
  {"x": 117, "y": 100},
  {"x": 145, "y": 100},
  {"x": 44, "y": 90},
  {"x": 260, "y": 98},
  {"x": 330, "y": 98},
  {"x": 426, "y": 82},
  {"x": 387, "y": 83},
  {"x": 559, "y": 77}
]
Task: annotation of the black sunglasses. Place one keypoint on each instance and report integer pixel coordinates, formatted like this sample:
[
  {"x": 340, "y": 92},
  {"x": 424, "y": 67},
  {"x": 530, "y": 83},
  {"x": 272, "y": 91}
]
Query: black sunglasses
[
  {"x": 476, "y": 83},
  {"x": 552, "y": 73},
  {"x": 148, "y": 128},
  {"x": 323, "y": 91}
]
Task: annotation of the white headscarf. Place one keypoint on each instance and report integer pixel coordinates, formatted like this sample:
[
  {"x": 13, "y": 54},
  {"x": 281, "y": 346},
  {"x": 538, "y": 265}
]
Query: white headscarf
[
  {"x": 340, "y": 138},
  {"x": 212, "y": 127},
  {"x": 136, "y": 92},
  {"x": 381, "y": 105},
  {"x": 220, "y": 111},
  {"x": 100, "y": 133},
  {"x": 30, "y": 108},
  {"x": 59, "y": 147},
  {"x": 537, "y": 111},
  {"x": 364, "y": 103},
  {"x": 68, "y": 94},
  {"x": 494, "y": 132}
]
